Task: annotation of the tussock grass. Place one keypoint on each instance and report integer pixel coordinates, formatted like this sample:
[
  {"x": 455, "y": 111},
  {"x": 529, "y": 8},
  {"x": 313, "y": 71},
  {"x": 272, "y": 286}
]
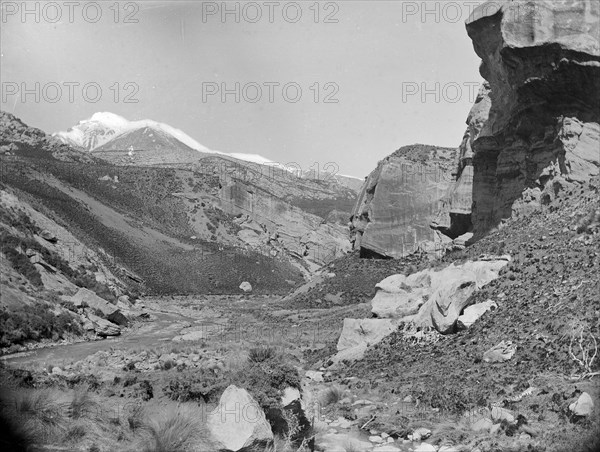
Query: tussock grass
[
  {"x": 261, "y": 354},
  {"x": 175, "y": 428},
  {"x": 330, "y": 396},
  {"x": 83, "y": 404},
  {"x": 36, "y": 414}
]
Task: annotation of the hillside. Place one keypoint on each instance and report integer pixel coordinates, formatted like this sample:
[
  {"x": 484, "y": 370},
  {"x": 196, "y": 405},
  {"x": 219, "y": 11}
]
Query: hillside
[{"x": 137, "y": 217}]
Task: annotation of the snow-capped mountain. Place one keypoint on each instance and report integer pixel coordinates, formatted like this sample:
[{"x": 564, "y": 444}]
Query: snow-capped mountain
[
  {"x": 147, "y": 142},
  {"x": 102, "y": 127},
  {"x": 106, "y": 131}
]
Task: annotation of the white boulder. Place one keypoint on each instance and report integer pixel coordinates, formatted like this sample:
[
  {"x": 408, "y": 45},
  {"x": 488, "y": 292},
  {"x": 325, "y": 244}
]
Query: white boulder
[{"x": 239, "y": 422}]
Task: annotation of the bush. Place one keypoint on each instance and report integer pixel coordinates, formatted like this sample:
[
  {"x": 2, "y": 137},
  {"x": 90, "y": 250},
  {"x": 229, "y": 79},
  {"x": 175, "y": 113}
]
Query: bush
[{"x": 33, "y": 323}]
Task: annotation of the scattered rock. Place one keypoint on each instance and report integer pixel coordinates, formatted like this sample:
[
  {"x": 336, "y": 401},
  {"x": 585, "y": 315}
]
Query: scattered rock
[
  {"x": 289, "y": 395},
  {"x": 246, "y": 286},
  {"x": 473, "y": 312},
  {"x": 583, "y": 406},
  {"x": 341, "y": 442},
  {"x": 48, "y": 236},
  {"x": 315, "y": 376},
  {"x": 425, "y": 447},
  {"x": 482, "y": 425},
  {"x": 103, "y": 327},
  {"x": 500, "y": 353},
  {"x": 501, "y": 414},
  {"x": 495, "y": 429},
  {"x": 386, "y": 448},
  {"x": 420, "y": 434}
]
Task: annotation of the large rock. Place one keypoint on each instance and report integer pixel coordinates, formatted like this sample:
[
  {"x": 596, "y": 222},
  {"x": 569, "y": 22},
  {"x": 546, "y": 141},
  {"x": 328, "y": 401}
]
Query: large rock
[
  {"x": 583, "y": 406},
  {"x": 473, "y": 312},
  {"x": 539, "y": 134},
  {"x": 434, "y": 297},
  {"x": 358, "y": 334},
  {"x": 239, "y": 422},
  {"x": 400, "y": 199},
  {"x": 103, "y": 327},
  {"x": 246, "y": 286},
  {"x": 85, "y": 297}
]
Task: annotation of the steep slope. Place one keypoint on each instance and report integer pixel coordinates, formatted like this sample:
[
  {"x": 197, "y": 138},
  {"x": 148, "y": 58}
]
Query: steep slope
[
  {"x": 547, "y": 298},
  {"x": 399, "y": 200}
]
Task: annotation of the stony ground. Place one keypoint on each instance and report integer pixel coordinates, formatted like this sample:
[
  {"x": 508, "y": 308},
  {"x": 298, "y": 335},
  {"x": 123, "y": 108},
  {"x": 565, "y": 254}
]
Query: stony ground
[
  {"x": 406, "y": 395},
  {"x": 548, "y": 298}
]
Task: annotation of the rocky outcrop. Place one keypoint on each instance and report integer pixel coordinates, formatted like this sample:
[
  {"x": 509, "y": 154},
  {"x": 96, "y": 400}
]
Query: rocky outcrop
[
  {"x": 399, "y": 200},
  {"x": 283, "y": 226},
  {"x": 434, "y": 298},
  {"x": 454, "y": 217},
  {"x": 86, "y": 298},
  {"x": 541, "y": 135}
]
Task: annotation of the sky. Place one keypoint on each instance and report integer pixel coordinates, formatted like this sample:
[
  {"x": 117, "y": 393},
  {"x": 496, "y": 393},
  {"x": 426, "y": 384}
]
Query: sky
[{"x": 307, "y": 82}]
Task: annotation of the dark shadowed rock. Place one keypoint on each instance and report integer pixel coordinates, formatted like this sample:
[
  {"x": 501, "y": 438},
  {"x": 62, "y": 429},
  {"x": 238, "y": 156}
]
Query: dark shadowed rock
[{"x": 535, "y": 132}]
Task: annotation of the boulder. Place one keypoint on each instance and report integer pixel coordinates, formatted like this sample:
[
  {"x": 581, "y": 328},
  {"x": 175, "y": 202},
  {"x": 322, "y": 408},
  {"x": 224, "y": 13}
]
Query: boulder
[
  {"x": 341, "y": 442},
  {"x": 315, "y": 376},
  {"x": 426, "y": 447},
  {"x": 500, "y": 353},
  {"x": 103, "y": 327},
  {"x": 246, "y": 286},
  {"x": 500, "y": 414},
  {"x": 289, "y": 395},
  {"x": 473, "y": 312},
  {"x": 420, "y": 434},
  {"x": 358, "y": 334},
  {"x": 48, "y": 236},
  {"x": 85, "y": 297},
  {"x": 250, "y": 237},
  {"x": 434, "y": 297},
  {"x": 239, "y": 422},
  {"x": 583, "y": 406}
]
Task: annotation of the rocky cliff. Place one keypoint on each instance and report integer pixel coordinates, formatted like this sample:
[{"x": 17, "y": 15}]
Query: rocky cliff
[
  {"x": 399, "y": 200},
  {"x": 539, "y": 136}
]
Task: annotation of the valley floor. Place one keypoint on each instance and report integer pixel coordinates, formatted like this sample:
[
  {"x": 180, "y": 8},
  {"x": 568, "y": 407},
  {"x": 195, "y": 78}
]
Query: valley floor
[{"x": 404, "y": 395}]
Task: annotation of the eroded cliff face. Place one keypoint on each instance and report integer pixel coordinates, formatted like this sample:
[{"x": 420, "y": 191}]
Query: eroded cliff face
[
  {"x": 541, "y": 135},
  {"x": 399, "y": 200},
  {"x": 454, "y": 216}
]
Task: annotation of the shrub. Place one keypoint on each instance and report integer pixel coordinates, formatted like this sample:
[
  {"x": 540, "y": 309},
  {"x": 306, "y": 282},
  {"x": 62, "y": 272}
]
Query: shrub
[
  {"x": 34, "y": 323},
  {"x": 330, "y": 396}
]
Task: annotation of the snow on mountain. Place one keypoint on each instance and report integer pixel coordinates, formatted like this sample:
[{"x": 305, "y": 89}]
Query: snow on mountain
[
  {"x": 106, "y": 131},
  {"x": 103, "y": 127}
]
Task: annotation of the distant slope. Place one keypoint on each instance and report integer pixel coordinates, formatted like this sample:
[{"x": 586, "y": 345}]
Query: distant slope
[
  {"x": 146, "y": 146},
  {"x": 139, "y": 217}
]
